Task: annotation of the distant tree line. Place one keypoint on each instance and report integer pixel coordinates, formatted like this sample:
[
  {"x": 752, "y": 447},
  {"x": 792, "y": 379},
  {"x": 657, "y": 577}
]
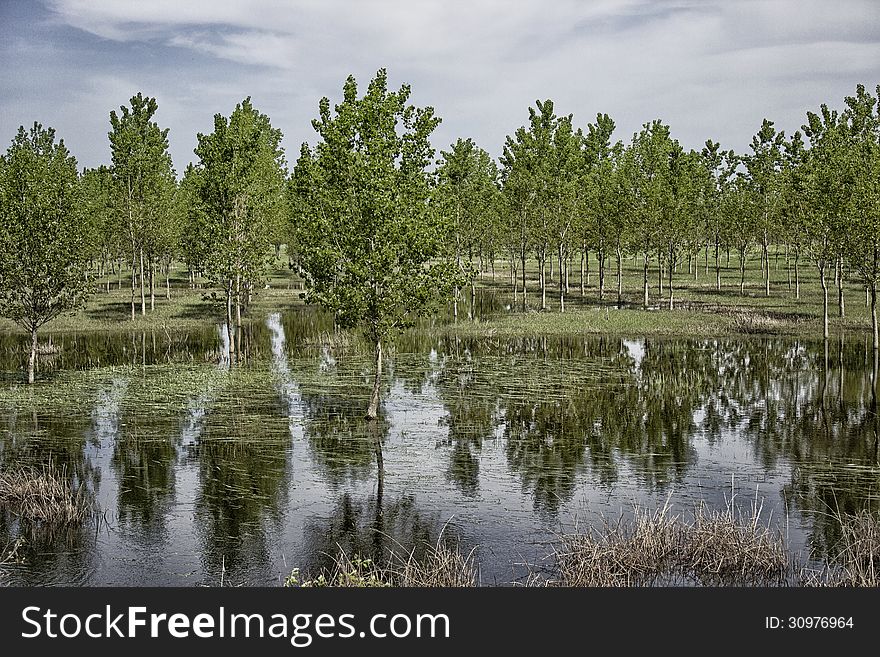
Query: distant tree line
[{"x": 381, "y": 231}]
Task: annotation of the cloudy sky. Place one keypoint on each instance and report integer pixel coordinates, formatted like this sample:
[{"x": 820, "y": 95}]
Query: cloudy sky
[{"x": 709, "y": 69}]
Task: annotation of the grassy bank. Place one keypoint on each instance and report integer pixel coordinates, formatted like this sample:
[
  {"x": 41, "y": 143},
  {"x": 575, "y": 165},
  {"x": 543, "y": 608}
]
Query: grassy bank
[{"x": 699, "y": 309}]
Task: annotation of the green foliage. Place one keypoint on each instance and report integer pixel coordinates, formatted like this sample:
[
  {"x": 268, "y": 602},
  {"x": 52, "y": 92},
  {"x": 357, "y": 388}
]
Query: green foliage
[
  {"x": 240, "y": 182},
  {"x": 144, "y": 176},
  {"x": 371, "y": 250},
  {"x": 43, "y": 238},
  {"x": 467, "y": 197},
  {"x": 96, "y": 189}
]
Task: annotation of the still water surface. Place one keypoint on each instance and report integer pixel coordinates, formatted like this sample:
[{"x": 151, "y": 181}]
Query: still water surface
[{"x": 205, "y": 471}]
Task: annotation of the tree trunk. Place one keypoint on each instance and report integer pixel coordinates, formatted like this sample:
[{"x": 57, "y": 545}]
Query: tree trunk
[
  {"x": 373, "y": 408},
  {"x": 588, "y": 268},
  {"x": 766, "y": 270},
  {"x": 133, "y": 279},
  {"x": 671, "y": 291},
  {"x": 522, "y": 256},
  {"x": 583, "y": 262},
  {"x": 619, "y": 277},
  {"x": 473, "y": 314},
  {"x": 660, "y": 273},
  {"x": 143, "y": 283},
  {"x": 875, "y": 343},
  {"x": 841, "y": 306},
  {"x": 821, "y": 266},
  {"x": 32, "y": 359},
  {"x": 561, "y": 256},
  {"x": 717, "y": 267},
  {"x": 152, "y": 268},
  {"x": 230, "y": 330},
  {"x": 645, "y": 287},
  {"x": 742, "y": 274},
  {"x": 542, "y": 266},
  {"x": 601, "y": 256},
  {"x": 797, "y": 274},
  {"x": 238, "y": 313},
  {"x": 788, "y": 265},
  {"x": 168, "y": 281}
]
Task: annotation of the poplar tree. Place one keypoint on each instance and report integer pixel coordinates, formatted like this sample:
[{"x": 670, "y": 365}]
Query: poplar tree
[
  {"x": 145, "y": 183},
  {"x": 43, "y": 238},
  {"x": 372, "y": 250},
  {"x": 241, "y": 183},
  {"x": 465, "y": 196}
]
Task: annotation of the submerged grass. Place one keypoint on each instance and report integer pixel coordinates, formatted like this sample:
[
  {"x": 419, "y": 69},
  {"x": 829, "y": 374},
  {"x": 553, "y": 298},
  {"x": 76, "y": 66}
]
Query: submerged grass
[
  {"x": 855, "y": 559},
  {"x": 43, "y": 496}
]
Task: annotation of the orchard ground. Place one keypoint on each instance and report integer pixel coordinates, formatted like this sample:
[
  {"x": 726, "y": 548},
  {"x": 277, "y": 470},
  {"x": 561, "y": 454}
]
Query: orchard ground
[{"x": 700, "y": 308}]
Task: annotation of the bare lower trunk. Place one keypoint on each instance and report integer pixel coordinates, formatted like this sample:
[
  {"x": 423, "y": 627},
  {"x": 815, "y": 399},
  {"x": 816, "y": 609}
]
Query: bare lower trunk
[
  {"x": 472, "y": 314},
  {"x": 766, "y": 271},
  {"x": 601, "y": 255},
  {"x": 824, "y": 300},
  {"x": 522, "y": 261},
  {"x": 875, "y": 343},
  {"x": 143, "y": 290},
  {"x": 230, "y": 329},
  {"x": 583, "y": 262},
  {"x": 168, "y": 282},
  {"x": 619, "y": 277},
  {"x": 373, "y": 408},
  {"x": 645, "y": 282},
  {"x": 561, "y": 256},
  {"x": 742, "y": 276},
  {"x": 152, "y": 268},
  {"x": 671, "y": 291},
  {"x": 32, "y": 359},
  {"x": 660, "y": 273},
  {"x": 238, "y": 313},
  {"x": 133, "y": 281},
  {"x": 841, "y": 306},
  {"x": 542, "y": 264},
  {"x": 797, "y": 275},
  {"x": 717, "y": 268}
]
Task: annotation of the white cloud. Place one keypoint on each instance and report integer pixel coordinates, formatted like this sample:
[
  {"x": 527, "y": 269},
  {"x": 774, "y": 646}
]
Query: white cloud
[{"x": 710, "y": 69}]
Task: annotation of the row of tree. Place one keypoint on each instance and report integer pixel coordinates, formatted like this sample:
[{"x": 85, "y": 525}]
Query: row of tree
[{"x": 381, "y": 232}]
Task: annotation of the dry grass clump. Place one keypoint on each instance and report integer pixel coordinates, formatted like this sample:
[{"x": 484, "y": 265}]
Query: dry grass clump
[
  {"x": 720, "y": 548},
  {"x": 442, "y": 566},
  {"x": 855, "y": 560},
  {"x": 42, "y": 496},
  {"x": 750, "y": 322},
  {"x": 730, "y": 547},
  {"x": 634, "y": 553}
]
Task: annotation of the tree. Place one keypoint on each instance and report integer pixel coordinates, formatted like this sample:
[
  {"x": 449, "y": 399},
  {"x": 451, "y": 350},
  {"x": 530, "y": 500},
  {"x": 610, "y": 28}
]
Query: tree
[
  {"x": 526, "y": 175},
  {"x": 241, "y": 184},
  {"x": 764, "y": 166},
  {"x": 145, "y": 184},
  {"x": 861, "y": 163},
  {"x": 721, "y": 167},
  {"x": 651, "y": 152},
  {"x": 827, "y": 192},
  {"x": 100, "y": 217},
  {"x": 43, "y": 249},
  {"x": 682, "y": 222},
  {"x": 465, "y": 196},
  {"x": 371, "y": 247},
  {"x": 794, "y": 201},
  {"x": 598, "y": 217}
]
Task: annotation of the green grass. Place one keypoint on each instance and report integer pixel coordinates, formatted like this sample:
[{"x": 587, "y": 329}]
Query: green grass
[{"x": 700, "y": 308}]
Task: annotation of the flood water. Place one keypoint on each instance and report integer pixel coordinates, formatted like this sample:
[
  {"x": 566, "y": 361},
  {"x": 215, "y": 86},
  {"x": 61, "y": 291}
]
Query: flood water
[{"x": 206, "y": 472}]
